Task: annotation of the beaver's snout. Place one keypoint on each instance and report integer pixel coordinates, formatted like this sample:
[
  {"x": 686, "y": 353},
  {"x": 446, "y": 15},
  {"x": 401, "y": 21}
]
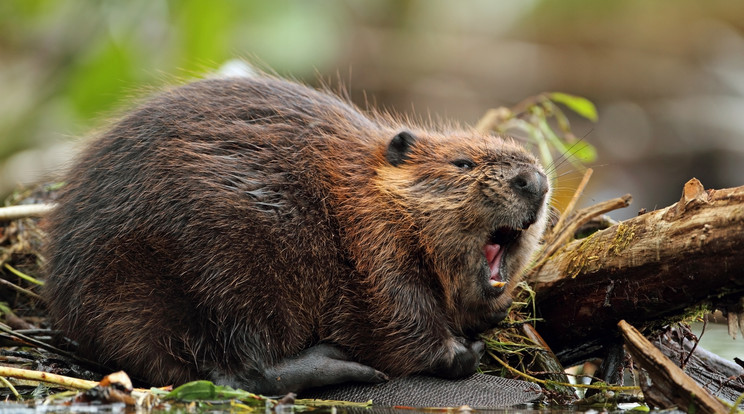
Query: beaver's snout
[{"x": 531, "y": 184}]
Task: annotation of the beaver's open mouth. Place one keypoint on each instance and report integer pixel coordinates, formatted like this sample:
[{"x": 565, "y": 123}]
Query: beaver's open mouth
[{"x": 496, "y": 247}]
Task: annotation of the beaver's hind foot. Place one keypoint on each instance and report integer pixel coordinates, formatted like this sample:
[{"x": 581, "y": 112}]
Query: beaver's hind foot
[{"x": 314, "y": 367}]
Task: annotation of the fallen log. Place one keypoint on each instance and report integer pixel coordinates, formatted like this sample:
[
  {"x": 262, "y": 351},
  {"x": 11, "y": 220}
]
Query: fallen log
[{"x": 648, "y": 270}]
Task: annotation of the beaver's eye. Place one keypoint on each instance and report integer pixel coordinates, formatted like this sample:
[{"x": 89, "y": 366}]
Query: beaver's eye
[{"x": 463, "y": 164}]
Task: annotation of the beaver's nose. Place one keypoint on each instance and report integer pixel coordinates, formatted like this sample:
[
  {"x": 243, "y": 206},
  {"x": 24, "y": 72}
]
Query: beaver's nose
[{"x": 530, "y": 183}]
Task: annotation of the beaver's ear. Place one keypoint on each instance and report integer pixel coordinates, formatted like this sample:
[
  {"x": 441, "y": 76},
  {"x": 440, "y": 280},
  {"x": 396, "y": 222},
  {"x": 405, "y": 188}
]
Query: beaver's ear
[{"x": 399, "y": 147}]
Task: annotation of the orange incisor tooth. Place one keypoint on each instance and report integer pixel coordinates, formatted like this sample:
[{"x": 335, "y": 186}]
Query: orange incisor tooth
[{"x": 496, "y": 283}]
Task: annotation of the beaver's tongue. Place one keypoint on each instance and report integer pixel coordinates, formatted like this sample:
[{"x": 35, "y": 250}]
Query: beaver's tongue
[{"x": 493, "y": 253}]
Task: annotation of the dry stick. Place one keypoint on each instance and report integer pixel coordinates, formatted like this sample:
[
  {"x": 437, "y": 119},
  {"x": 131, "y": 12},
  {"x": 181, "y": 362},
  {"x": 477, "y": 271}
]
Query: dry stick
[
  {"x": 550, "y": 238},
  {"x": 50, "y": 348},
  {"x": 571, "y": 204},
  {"x": 20, "y": 289},
  {"x": 24, "y": 211},
  {"x": 492, "y": 118},
  {"x": 27, "y": 374},
  {"x": 695, "y": 345},
  {"x": 495, "y": 116}
]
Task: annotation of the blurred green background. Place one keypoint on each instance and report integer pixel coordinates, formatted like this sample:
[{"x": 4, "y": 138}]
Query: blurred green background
[{"x": 667, "y": 76}]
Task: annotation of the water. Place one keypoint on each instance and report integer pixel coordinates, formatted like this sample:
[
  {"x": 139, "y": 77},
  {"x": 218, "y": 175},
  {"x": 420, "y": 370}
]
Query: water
[
  {"x": 19, "y": 408},
  {"x": 716, "y": 340}
]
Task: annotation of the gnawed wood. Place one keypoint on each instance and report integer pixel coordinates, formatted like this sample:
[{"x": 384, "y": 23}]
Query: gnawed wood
[{"x": 670, "y": 386}]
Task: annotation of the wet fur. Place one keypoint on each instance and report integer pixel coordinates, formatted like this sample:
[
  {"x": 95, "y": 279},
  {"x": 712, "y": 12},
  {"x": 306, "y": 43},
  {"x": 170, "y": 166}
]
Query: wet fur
[{"x": 230, "y": 223}]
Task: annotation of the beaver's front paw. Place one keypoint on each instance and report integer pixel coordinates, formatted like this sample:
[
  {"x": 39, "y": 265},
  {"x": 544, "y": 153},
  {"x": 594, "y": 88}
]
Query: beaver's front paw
[{"x": 459, "y": 359}]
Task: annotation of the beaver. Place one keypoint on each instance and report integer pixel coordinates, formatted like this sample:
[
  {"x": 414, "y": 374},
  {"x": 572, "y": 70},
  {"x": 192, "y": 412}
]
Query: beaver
[{"x": 271, "y": 236}]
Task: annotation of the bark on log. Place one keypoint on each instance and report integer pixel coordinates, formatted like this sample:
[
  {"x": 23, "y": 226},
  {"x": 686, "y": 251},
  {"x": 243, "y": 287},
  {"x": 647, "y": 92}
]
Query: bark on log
[{"x": 648, "y": 269}]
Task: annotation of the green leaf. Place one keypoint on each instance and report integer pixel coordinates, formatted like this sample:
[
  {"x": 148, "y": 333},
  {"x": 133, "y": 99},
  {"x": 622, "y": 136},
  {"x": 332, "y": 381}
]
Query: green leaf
[
  {"x": 195, "y": 390},
  {"x": 581, "y": 106},
  {"x": 584, "y": 152},
  {"x": 206, "y": 391}
]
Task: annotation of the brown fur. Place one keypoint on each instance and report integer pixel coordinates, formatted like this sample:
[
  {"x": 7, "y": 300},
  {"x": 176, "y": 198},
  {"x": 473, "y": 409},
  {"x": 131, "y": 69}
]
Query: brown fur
[{"x": 231, "y": 223}]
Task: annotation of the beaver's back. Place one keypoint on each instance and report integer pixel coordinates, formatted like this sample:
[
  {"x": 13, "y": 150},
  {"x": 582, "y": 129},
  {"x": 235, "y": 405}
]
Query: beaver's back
[{"x": 206, "y": 207}]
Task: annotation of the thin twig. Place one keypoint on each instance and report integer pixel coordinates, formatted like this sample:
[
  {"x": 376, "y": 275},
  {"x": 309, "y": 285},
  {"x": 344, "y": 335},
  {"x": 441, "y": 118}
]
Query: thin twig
[
  {"x": 51, "y": 348},
  {"x": 11, "y": 388},
  {"x": 23, "y": 276},
  {"x": 24, "y": 211},
  {"x": 62, "y": 380},
  {"x": 551, "y": 382},
  {"x": 20, "y": 289},
  {"x": 571, "y": 204},
  {"x": 694, "y": 346},
  {"x": 492, "y": 119}
]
